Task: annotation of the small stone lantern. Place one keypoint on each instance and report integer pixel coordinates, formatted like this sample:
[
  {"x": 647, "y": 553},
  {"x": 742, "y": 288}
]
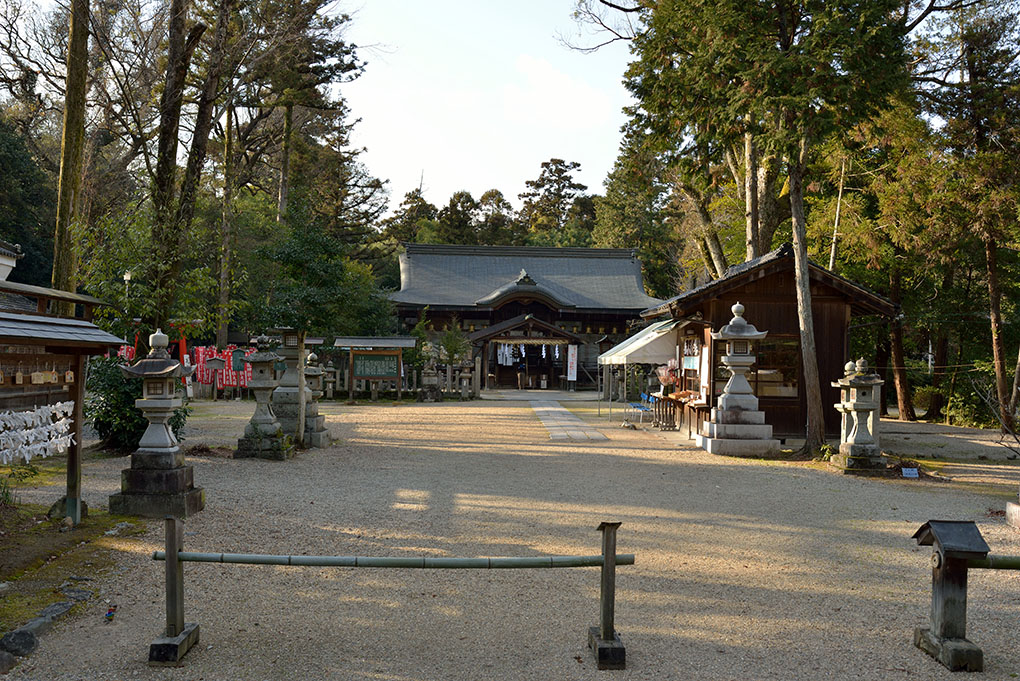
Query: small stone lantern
[
  {"x": 314, "y": 375},
  {"x": 263, "y": 436},
  {"x": 215, "y": 366},
  {"x": 158, "y": 483},
  {"x": 860, "y": 395},
  {"x": 330, "y": 380}
]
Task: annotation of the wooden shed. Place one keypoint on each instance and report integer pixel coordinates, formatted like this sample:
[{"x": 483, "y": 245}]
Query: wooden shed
[
  {"x": 42, "y": 374},
  {"x": 766, "y": 288}
]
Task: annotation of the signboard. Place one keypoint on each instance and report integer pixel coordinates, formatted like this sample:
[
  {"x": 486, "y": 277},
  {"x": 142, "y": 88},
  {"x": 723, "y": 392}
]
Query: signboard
[
  {"x": 376, "y": 364},
  {"x": 571, "y": 362}
]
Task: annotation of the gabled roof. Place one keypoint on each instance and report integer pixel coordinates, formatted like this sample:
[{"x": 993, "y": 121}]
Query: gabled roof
[
  {"x": 483, "y": 276},
  {"x": 23, "y": 329},
  {"x": 522, "y": 320},
  {"x": 862, "y": 300}
]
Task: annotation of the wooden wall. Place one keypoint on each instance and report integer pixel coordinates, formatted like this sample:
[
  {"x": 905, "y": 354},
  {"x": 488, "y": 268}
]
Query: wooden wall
[{"x": 770, "y": 304}]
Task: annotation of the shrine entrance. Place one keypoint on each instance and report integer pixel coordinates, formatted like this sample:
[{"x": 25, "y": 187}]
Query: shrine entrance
[{"x": 525, "y": 353}]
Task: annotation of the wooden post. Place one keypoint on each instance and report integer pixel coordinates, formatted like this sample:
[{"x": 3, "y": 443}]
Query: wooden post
[
  {"x": 72, "y": 497},
  {"x": 605, "y": 644},
  {"x": 350, "y": 377},
  {"x": 174, "y": 577},
  {"x": 476, "y": 384},
  {"x": 607, "y": 594},
  {"x": 400, "y": 376},
  {"x": 167, "y": 650}
]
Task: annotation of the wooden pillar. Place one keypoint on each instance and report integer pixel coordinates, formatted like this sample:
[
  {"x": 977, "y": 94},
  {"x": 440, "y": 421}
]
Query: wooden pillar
[
  {"x": 72, "y": 504},
  {"x": 400, "y": 376},
  {"x": 350, "y": 376},
  {"x": 476, "y": 384}
]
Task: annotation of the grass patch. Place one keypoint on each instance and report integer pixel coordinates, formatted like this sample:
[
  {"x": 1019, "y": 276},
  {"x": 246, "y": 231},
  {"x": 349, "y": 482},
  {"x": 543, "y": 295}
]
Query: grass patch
[{"x": 37, "y": 560}]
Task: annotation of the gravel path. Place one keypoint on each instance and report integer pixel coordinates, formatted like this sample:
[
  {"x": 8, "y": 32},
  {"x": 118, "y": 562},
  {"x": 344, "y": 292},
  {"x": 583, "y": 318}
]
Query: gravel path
[{"x": 744, "y": 570}]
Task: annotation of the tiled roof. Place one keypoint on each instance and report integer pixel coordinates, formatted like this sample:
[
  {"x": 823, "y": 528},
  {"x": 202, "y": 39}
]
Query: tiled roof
[
  {"x": 470, "y": 276},
  {"x": 12, "y": 301},
  {"x": 11, "y": 250},
  {"x": 22, "y": 328},
  {"x": 867, "y": 301}
]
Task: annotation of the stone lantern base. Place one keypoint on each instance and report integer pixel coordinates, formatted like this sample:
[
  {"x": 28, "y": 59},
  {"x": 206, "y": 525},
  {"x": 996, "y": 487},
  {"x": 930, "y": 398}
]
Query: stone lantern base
[
  {"x": 285, "y": 406},
  {"x": 737, "y": 432},
  {"x": 859, "y": 458},
  {"x": 275, "y": 446},
  {"x": 156, "y": 486}
]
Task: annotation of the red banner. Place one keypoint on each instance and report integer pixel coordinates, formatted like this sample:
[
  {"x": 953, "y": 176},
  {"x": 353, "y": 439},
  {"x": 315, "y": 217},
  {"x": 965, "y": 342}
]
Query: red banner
[{"x": 227, "y": 377}]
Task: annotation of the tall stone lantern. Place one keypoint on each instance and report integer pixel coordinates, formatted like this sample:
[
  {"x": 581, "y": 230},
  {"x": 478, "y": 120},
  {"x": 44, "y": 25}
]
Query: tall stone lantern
[
  {"x": 158, "y": 483},
  {"x": 285, "y": 397},
  {"x": 736, "y": 427},
  {"x": 860, "y": 394},
  {"x": 263, "y": 436}
]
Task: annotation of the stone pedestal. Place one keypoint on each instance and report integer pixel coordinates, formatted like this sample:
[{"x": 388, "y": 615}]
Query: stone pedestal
[
  {"x": 859, "y": 403},
  {"x": 158, "y": 483},
  {"x": 430, "y": 391},
  {"x": 736, "y": 427},
  {"x": 263, "y": 436},
  {"x": 285, "y": 404}
]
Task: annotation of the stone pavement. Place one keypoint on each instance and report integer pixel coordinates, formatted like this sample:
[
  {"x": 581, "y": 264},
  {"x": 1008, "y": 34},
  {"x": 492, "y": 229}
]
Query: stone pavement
[{"x": 561, "y": 424}]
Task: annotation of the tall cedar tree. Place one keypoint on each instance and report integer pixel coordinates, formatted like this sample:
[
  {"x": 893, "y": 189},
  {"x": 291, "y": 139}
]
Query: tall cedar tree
[{"x": 792, "y": 72}]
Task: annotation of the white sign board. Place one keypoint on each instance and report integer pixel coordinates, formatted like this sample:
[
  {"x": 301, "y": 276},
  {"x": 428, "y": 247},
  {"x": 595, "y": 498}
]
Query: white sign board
[
  {"x": 910, "y": 472},
  {"x": 571, "y": 362},
  {"x": 189, "y": 390}
]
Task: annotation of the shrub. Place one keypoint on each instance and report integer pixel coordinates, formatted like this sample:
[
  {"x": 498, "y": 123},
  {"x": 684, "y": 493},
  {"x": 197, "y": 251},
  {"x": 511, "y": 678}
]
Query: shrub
[{"x": 110, "y": 406}]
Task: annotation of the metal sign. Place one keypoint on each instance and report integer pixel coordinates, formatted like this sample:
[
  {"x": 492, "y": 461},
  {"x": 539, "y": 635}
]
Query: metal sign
[
  {"x": 571, "y": 362},
  {"x": 376, "y": 364}
]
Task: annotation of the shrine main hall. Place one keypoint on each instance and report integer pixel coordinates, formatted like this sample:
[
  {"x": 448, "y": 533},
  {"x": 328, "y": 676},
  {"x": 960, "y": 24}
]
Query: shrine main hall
[{"x": 521, "y": 307}]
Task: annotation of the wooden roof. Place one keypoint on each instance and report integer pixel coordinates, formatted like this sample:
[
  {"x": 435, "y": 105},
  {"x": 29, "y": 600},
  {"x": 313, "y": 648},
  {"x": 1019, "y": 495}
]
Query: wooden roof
[
  {"x": 862, "y": 301},
  {"x": 482, "y": 277}
]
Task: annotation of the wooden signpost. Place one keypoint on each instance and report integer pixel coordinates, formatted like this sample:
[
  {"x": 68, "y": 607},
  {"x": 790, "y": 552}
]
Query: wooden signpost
[{"x": 376, "y": 365}]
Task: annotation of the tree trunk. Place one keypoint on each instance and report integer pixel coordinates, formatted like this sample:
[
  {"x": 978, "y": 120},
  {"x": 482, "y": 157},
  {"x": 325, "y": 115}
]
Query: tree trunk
[
  {"x": 164, "y": 240},
  {"x": 288, "y": 124},
  {"x": 773, "y": 209},
  {"x": 299, "y": 436},
  {"x": 995, "y": 318},
  {"x": 226, "y": 229},
  {"x": 717, "y": 258},
  {"x": 751, "y": 197},
  {"x": 814, "y": 436},
  {"x": 938, "y": 397},
  {"x": 203, "y": 123},
  {"x": 64, "y": 276},
  {"x": 1016, "y": 386},
  {"x": 882, "y": 353},
  {"x": 899, "y": 369}
]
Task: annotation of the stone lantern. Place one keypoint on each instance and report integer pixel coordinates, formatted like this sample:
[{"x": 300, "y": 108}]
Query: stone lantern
[
  {"x": 263, "y": 436},
  {"x": 215, "y": 365},
  {"x": 158, "y": 483},
  {"x": 330, "y": 379},
  {"x": 736, "y": 426},
  {"x": 859, "y": 402},
  {"x": 314, "y": 375},
  {"x": 285, "y": 397}
]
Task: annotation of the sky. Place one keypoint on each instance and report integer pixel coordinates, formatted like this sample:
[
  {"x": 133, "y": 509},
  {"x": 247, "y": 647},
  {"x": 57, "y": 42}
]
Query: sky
[{"x": 475, "y": 94}]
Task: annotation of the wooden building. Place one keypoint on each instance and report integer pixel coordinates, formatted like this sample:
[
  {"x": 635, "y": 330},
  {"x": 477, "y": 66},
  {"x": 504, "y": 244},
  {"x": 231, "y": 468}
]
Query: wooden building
[
  {"x": 521, "y": 306},
  {"x": 42, "y": 371},
  {"x": 765, "y": 286}
]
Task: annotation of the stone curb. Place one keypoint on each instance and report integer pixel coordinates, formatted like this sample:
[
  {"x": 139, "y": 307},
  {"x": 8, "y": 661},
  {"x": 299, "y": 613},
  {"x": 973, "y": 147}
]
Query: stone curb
[{"x": 22, "y": 641}]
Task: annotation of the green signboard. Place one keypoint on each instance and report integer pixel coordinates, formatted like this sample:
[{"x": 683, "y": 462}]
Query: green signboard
[{"x": 376, "y": 365}]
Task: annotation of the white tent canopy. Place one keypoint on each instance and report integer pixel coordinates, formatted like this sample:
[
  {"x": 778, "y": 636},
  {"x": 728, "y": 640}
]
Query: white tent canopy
[{"x": 652, "y": 345}]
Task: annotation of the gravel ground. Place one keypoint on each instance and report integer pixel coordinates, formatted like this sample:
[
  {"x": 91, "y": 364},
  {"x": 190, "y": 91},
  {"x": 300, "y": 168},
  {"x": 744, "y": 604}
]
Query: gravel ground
[{"x": 745, "y": 570}]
